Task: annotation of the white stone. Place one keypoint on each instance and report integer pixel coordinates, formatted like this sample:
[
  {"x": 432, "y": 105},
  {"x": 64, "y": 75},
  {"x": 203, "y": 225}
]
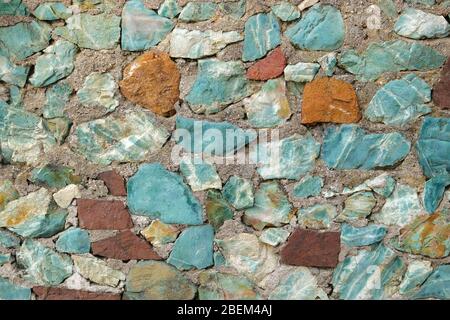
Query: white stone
[
  {"x": 301, "y": 72},
  {"x": 306, "y": 4},
  {"x": 65, "y": 196},
  {"x": 97, "y": 271}
]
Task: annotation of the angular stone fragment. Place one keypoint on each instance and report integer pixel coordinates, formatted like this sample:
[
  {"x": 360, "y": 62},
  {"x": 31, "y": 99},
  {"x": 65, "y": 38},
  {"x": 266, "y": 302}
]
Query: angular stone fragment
[
  {"x": 417, "y": 24},
  {"x": 119, "y": 137},
  {"x": 10, "y": 291},
  {"x": 153, "y": 280},
  {"x": 59, "y": 127},
  {"x": 199, "y": 174},
  {"x": 239, "y": 192},
  {"x": 13, "y": 8},
  {"x": 169, "y": 9},
  {"x": 8, "y": 240},
  {"x": 196, "y": 44},
  {"x": 221, "y": 286},
  {"x": 433, "y": 192},
  {"x": 349, "y": 147},
  {"x": 305, "y": 4},
  {"x": 8, "y": 193},
  {"x": 321, "y": 28},
  {"x": 218, "y": 84},
  {"x": 12, "y": 73},
  {"x": 98, "y": 91},
  {"x": 364, "y": 236},
  {"x": 329, "y": 100},
  {"x": 390, "y": 56},
  {"x": 436, "y": 286},
  {"x": 217, "y": 209},
  {"x": 319, "y": 216},
  {"x": 270, "y": 67},
  {"x": 103, "y": 215},
  {"x": 50, "y": 11},
  {"x": 358, "y": 206},
  {"x": 274, "y": 236},
  {"x": 235, "y": 10},
  {"x": 309, "y": 186},
  {"x": 417, "y": 272},
  {"x": 148, "y": 195},
  {"x": 198, "y": 11},
  {"x": 52, "y": 176},
  {"x": 5, "y": 258},
  {"x": 286, "y": 11},
  {"x": 97, "y": 271},
  {"x": 159, "y": 233},
  {"x": 114, "y": 182},
  {"x": 56, "y": 98},
  {"x": 51, "y": 293},
  {"x": 142, "y": 28},
  {"x": 152, "y": 80},
  {"x": 383, "y": 185},
  {"x": 328, "y": 63},
  {"x": 441, "y": 92},
  {"x": 301, "y": 72},
  {"x": 124, "y": 246},
  {"x": 65, "y": 196},
  {"x": 92, "y": 32},
  {"x": 74, "y": 240}
]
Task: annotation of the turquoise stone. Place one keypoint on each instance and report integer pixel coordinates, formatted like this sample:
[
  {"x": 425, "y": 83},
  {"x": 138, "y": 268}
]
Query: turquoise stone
[
  {"x": 271, "y": 208},
  {"x": 74, "y": 240},
  {"x": 364, "y": 236},
  {"x": 53, "y": 223},
  {"x": 236, "y": 10},
  {"x": 120, "y": 137},
  {"x": 437, "y": 284},
  {"x": 358, "y": 206},
  {"x": 98, "y": 91},
  {"x": 286, "y": 11},
  {"x": 309, "y": 186},
  {"x": 15, "y": 97},
  {"x": 217, "y": 85},
  {"x": 427, "y": 3},
  {"x": 433, "y": 192},
  {"x": 350, "y": 147},
  {"x": 4, "y": 258},
  {"x": 433, "y": 146},
  {"x": 388, "y": 8},
  {"x": 274, "y": 236},
  {"x": 10, "y": 291},
  {"x": 261, "y": 34},
  {"x": 54, "y": 177},
  {"x": 92, "y": 32},
  {"x": 417, "y": 24},
  {"x": 289, "y": 158},
  {"x": 56, "y": 63},
  {"x": 301, "y": 72},
  {"x": 417, "y": 272},
  {"x": 390, "y": 56},
  {"x": 383, "y": 185},
  {"x": 321, "y": 28},
  {"x": 195, "y": 136},
  {"x": 193, "y": 248},
  {"x": 160, "y": 194},
  {"x": 11, "y": 73},
  {"x": 200, "y": 174},
  {"x": 56, "y": 98},
  {"x": 400, "y": 101},
  {"x": 370, "y": 275},
  {"x": 219, "y": 260},
  {"x": 239, "y": 192},
  {"x": 169, "y": 9},
  {"x": 328, "y": 63},
  {"x": 13, "y": 8},
  {"x": 319, "y": 216},
  {"x": 43, "y": 266},
  {"x": 221, "y": 286},
  {"x": 23, "y": 39},
  {"x": 8, "y": 239},
  {"x": 142, "y": 28},
  {"x": 217, "y": 209},
  {"x": 52, "y": 11},
  {"x": 8, "y": 193},
  {"x": 198, "y": 11}
]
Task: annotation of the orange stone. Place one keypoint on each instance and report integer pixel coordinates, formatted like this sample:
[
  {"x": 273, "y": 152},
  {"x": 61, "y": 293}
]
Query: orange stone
[
  {"x": 329, "y": 100},
  {"x": 152, "y": 80}
]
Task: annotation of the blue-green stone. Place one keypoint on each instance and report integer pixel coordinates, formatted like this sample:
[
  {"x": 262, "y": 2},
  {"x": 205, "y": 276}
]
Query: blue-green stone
[
  {"x": 8, "y": 193},
  {"x": 390, "y": 56},
  {"x": 198, "y": 11},
  {"x": 433, "y": 192},
  {"x": 8, "y": 239},
  {"x": 417, "y": 24},
  {"x": 286, "y": 11},
  {"x": 309, "y": 186},
  {"x": 350, "y": 147},
  {"x": 221, "y": 286},
  {"x": 10, "y": 291},
  {"x": 301, "y": 72},
  {"x": 388, "y": 8},
  {"x": 433, "y": 146},
  {"x": 193, "y": 248},
  {"x": 219, "y": 259},
  {"x": 261, "y": 34},
  {"x": 217, "y": 85},
  {"x": 427, "y": 3},
  {"x": 321, "y": 28},
  {"x": 437, "y": 284},
  {"x": 98, "y": 91},
  {"x": 56, "y": 98},
  {"x": 11, "y": 73},
  {"x": 328, "y": 63},
  {"x": 142, "y": 28},
  {"x": 274, "y": 236},
  {"x": 217, "y": 209},
  {"x": 4, "y": 258},
  {"x": 52, "y": 176},
  {"x": 318, "y": 216},
  {"x": 53, "y": 223},
  {"x": 400, "y": 101},
  {"x": 383, "y": 185},
  {"x": 239, "y": 192},
  {"x": 160, "y": 194},
  {"x": 236, "y": 10},
  {"x": 74, "y": 240},
  {"x": 358, "y": 206},
  {"x": 13, "y": 8},
  {"x": 364, "y": 236},
  {"x": 169, "y": 9},
  {"x": 417, "y": 272},
  {"x": 199, "y": 174},
  {"x": 52, "y": 11}
]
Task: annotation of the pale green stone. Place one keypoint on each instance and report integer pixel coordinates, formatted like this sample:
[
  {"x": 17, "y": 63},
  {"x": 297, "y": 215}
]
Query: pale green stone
[
  {"x": 59, "y": 127},
  {"x": 169, "y": 9},
  {"x": 56, "y": 98},
  {"x": 126, "y": 137},
  {"x": 239, "y": 192},
  {"x": 319, "y": 216},
  {"x": 309, "y": 186},
  {"x": 301, "y": 72},
  {"x": 56, "y": 63},
  {"x": 13, "y": 8},
  {"x": 358, "y": 206},
  {"x": 427, "y": 3},
  {"x": 286, "y": 11},
  {"x": 4, "y": 258},
  {"x": 417, "y": 24},
  {"x": 199, "y": 174},
  {"x": 8, "y": 193},
  {"x": 236, "y": 9},
  {"x": 328, "y": 63},
  {"x": 52, "y": 176},
  {"x": 74, "y": 240},
  {"x": 217, "y": 209},
  {"x": 198, "y": 11},
  {"x": 98, "y": 91},
  {"x": 52, "y": 11},
  {"x": 97, "y": 271},
  {"x": 8, "y": 239},
  {"x": 274, "y": 236},
  {"x": 383, "y": 185},
  {"x": 92, "y": 32},
  {"x": 10, "y": 291},
  {"x": 388, "y": 7},
  {"x": 96, "y": 5},
  {"x": 437, "y": 284},
  {"x": 417, "y": 272},
  {"x": 11, "y": 73},
  {"x": 364, "y": 236},
  {"x": 269, "y": 107}
]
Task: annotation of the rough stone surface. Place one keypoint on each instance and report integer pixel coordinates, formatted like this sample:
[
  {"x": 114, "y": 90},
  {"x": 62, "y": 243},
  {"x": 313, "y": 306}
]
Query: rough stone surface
[
  {"x": 51, "y": 293},
  {"x": 270, "y": 67},
  {"x": 441, "y": 93},
  {"x": 103, "y": 214},
  {"x": 114, "y": 182}
]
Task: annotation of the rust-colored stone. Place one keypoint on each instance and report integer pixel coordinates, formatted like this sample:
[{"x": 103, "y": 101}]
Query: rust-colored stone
[
  {"x": 311, "y": 248},
  {"x": 124, "y": 246},
  {"x": 103, "y": 215},
  {"x": 441, "y": 90},
  {"x": 114, "y": 182},
  {"x": 152, "y": 80},
  {"x": 329, "y": 100},
  {"x": 46, "y": 293},
  {"x": 270, "y": 67}
]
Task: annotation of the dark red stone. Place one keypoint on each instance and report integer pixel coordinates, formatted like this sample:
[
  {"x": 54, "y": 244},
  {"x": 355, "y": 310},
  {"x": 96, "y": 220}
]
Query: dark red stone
[
  {"x": 114, "y": 182},
  {"x": 103, "y": 215},
  {"x": 46, "y": 293},
  {"x": 124, "y": 246},
  {"x": 441, "y": 90},
  {"x": 311, "y": 248},
  {"x": 270, "y": 67}
]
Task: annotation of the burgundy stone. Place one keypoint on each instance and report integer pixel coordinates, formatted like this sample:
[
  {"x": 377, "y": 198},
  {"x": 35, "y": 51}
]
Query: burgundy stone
[
  {"x": 441, "y": 90},
  {"x": 311, "y": 248},
  {"x": 124, "y": 246},
  {"x": 103, "y": 215},
  {"x": 114, "y": 182},
  {"x": 270, "y": 67},
  {"x": 46, "y": 293}
]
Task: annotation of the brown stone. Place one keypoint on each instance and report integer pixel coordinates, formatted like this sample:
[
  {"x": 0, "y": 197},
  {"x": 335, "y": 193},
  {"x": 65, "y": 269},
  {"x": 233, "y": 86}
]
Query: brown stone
[
  {"x": 311, "y": 248},
  {"x": 103, "y": 215},
  {"x": 152, "y": 80},
  {"x": 124, "y": 246},
  {"x": 270, "y": 67},
  {"x": 114, "y": 182},
  {"x": 329, "y": 100},
  {"x": 46, "y": 293},
  {"x": 441, "y": 90}
]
